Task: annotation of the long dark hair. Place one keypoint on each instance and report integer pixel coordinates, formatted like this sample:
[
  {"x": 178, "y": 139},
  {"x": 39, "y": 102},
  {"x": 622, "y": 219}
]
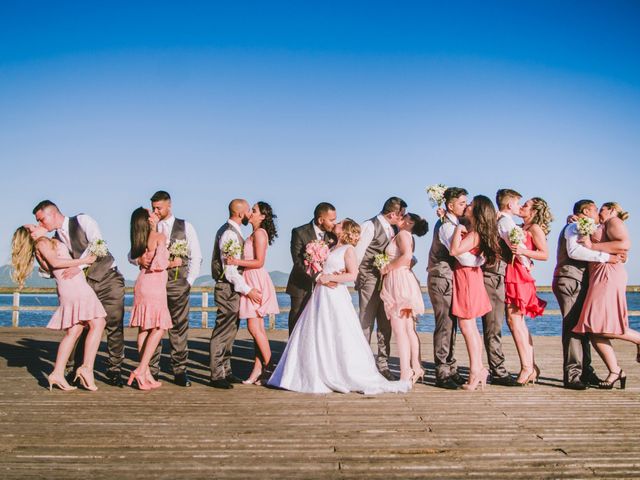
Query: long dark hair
[
  {"x": 139, "y": 231},
  {"x": 268, "y": 223},
  {"x": 486, "y": 225}
]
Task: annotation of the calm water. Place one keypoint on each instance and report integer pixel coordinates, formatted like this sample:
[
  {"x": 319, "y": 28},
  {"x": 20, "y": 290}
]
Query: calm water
[{"x": 548, "y": 325}]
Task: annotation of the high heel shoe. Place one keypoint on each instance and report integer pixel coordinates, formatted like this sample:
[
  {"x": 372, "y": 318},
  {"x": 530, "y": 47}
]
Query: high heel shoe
[
  {"x": 537, "y": 370},
  {"x": 475, "y": 381},
  {"x": 253, "y": 379},
  {"x": 57, "y": 383},
  {"x": 142, "y": 385},
  {"x": 418, "y": 375},
  {"x": 531, "y": 378},
  {"x": 608, "y": 385},
  {"x": 82, "y": 376}
]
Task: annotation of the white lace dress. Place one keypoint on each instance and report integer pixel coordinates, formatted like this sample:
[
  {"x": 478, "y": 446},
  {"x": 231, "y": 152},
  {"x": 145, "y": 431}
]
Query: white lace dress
[{"x": 327, "y": 350}]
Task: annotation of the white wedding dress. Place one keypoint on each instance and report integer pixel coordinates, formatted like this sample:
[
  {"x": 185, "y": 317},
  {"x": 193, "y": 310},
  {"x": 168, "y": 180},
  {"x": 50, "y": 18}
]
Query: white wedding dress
[{"x": 327, "y": 350}]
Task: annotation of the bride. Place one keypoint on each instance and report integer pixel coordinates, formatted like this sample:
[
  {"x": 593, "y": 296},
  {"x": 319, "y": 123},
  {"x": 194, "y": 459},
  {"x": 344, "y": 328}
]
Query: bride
[{"x": 327, "y": 350}]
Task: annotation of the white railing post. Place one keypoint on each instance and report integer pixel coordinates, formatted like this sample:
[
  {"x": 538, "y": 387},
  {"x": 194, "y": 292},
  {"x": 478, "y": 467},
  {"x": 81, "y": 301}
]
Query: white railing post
[
  {"x": 15, "y": 314},
  {"x": 205, "y": 314}
]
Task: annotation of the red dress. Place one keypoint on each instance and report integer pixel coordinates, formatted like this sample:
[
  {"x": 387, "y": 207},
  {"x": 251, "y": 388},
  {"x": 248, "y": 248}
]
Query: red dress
[
  {"x": 470, "y": 299},
  {"x": 520, "y": 287}
]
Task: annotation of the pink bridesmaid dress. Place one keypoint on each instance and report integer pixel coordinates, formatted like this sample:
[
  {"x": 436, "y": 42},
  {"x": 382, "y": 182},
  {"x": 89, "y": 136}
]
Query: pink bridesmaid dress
[
  {"x": 400, "y": 287},
  {"x": 520, "y": 286},
  {"x": 78, "y": 301},
  {"x": 470, "y": 299},
  {"x": 259, "y": 279},
  {"x": 150, "y": 309},
  {"x": 605, "y": 307}
]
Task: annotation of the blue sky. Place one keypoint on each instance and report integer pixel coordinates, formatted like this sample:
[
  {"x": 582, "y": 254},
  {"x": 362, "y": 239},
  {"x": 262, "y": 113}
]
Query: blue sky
[{"x": 348, "y": 102}]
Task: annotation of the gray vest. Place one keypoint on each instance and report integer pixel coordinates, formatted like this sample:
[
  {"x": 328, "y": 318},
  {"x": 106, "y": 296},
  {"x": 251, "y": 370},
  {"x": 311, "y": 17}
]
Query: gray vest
[
  {"x": 567, "y": 266},
  {"x": 377, "y": 245},
  {"x": 79, "y": 244},
  {"x": 179, "y": 232},
  {"x": 217, "y": 264},
  {"x": 440, "y": 261}
]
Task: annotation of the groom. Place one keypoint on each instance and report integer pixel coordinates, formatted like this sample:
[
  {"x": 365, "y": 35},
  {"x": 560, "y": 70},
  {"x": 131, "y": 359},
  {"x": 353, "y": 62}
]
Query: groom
[
  {"x": 300, "y": 284},
  {"x": 376, "y": 235},
  {"x": 229, "y": 286},
  {"x": 178, "y": 286},
  {"x": 76, "y": 233}
]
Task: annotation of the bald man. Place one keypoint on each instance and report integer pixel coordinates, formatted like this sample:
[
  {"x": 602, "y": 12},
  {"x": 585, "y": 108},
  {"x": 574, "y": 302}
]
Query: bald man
[{"x": 229, "y": 286}]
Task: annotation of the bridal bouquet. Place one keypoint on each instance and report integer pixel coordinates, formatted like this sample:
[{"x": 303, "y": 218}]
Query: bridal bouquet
[
  {"x": 179, "y": 249},
  {"x": 230, "y": 248},
  {"x": 586, "y": 226},
  {"x": 315, "y": 254},
  {"x": 98, "y": 248},
  {"x": 516, "y": 237},
  {"x": 380, "y": 260},
  {"x": 436, "y": 194}
]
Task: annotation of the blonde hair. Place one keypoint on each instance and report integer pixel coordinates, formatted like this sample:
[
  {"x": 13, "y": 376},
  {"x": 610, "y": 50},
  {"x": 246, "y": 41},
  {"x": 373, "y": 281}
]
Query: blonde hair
[
  {"x": 23, "y": 250},
  {"x": 350, "y": 232},
  {"x": 622, "y": 215},
  {"x": 541, "y": 215}
]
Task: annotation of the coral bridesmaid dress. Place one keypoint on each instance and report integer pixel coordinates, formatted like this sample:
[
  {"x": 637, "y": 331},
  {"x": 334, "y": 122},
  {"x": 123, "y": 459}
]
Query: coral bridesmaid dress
[{"x": 520, "y": 286}]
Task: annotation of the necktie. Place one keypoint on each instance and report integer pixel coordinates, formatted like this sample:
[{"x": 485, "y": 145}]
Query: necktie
[{"x": 64, "y": 236}]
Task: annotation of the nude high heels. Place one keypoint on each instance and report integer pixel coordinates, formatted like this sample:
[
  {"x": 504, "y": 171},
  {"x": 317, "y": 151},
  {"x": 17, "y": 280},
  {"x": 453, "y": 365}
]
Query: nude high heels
[
  {"x": 84, "y": 374},
  {"x": 418, "y": 376},
  {"x": 56, "y": 382},
  {"x": 475, "y": 381},
  {"x": 140, "y": 382}
]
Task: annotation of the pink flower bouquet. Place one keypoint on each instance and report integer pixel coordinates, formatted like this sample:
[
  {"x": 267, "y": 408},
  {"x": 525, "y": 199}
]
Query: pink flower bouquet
[{"x": 315, "y": 254}]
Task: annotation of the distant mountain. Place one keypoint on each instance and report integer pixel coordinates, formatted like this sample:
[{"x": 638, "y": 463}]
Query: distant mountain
[
  {"x": 279, "y": 279},
  {"x": 34, "y": 279}
]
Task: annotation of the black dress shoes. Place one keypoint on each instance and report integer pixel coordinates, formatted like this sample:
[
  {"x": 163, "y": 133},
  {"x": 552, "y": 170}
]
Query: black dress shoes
[
  {"x": 386, "y": 373},
  {"x": 447, "y": 383},
  {"x": 115, "y": 378},
  {"x": 232, "y": 379},
  {"x": 221, "y": 383},
  {"x": 459, "y": 379},
  {"x": 506, "y": 381},
  {"x": 576, "y": 385},
  {"x": 182, "y": 380},
  {"x": 590, "y": 380}
]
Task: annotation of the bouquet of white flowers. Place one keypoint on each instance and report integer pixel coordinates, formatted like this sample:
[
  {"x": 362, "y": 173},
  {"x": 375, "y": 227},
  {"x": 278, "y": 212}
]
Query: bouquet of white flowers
[
  {"x": 516, "y": 237},
  {"x": 98, "y": 248},
  {"x": 436, "y": 194},
  {"x": 380, "y": 260},
  {"x": 586, "y": 226},
  {"x": 230, "y": 248},
  {"x": 179, "y": 249}
]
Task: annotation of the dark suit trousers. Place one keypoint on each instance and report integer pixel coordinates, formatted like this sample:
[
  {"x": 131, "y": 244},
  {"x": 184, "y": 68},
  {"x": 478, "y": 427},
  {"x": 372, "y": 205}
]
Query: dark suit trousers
[
  {"x": 492, "y": 324},
  {"x": 178, "y": 296},
  {"x": 444, "y": 335},
  {"x": 110, "y": 292},
  {"x": 224, "y": 333},
  {"x": 297, "y": 306},
  {"x": 576, "y": 352}
]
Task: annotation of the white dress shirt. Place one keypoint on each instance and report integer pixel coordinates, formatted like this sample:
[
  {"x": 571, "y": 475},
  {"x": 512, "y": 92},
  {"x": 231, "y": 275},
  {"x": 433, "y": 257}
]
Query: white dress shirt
[
  {"x": 195, "y": 260},
  {"x": 445, "y": 234},
  {"x": 506, "y": 223},
  {"x": 319, "y": 233},
  {"x": 367, "y": 231},
  {"x": 577, "y": 251},
  {"x": 231, "y": 271},
  {"x": 91, "y": 230}
]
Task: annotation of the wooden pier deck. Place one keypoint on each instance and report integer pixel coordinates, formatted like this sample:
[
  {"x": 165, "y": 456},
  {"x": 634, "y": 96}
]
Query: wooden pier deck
[{"x": 199, "y": 432}]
